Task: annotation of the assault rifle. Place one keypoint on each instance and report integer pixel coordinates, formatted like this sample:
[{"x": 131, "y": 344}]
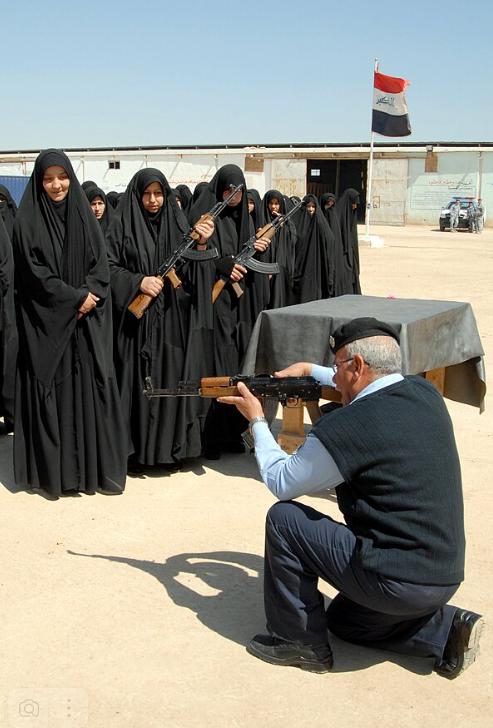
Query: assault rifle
[
  {"x": 293, "y": 393},
  {"x": 142, "y": 301},
  {"x": 245, "y": 256}
]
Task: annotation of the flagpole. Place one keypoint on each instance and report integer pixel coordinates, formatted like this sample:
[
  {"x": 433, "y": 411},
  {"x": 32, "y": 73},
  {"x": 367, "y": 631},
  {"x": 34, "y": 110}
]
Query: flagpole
[{"x": 370, "y": 173}]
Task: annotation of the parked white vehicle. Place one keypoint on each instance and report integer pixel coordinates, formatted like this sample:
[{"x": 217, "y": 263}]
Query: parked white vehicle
[{"x": 463, "y": 223}]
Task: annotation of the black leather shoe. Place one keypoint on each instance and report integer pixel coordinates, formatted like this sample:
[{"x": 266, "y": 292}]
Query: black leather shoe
[
  {"x": 462, "y": 646},
  {"x": 279, "y": 652}
]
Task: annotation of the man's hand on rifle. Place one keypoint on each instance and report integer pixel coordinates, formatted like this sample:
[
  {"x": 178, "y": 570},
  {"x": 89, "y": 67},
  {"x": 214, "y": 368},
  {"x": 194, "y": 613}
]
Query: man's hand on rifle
[
  {"x": 90, "y": 303},
  {"x": 246, "y": 403},
  {"x": 151, "y": 285},
  {"x": 205, "y": 229},
  {"x": 300, "y": 369}
]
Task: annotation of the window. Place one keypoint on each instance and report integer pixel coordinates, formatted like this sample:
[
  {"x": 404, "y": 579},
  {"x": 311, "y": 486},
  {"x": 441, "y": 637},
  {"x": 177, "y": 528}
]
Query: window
[{"x": 114, "y": 164}]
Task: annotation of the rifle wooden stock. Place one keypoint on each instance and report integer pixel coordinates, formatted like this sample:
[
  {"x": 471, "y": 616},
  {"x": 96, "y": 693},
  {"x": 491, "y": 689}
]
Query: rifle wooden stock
[
  {"x": 217, "y": 288},
  {"x": 219, "y": 285},
  {"x": 268, "y": 231}
]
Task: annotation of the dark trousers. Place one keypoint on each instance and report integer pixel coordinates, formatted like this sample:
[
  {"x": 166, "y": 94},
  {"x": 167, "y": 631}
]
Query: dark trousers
[{"x": 303, "y": 545}]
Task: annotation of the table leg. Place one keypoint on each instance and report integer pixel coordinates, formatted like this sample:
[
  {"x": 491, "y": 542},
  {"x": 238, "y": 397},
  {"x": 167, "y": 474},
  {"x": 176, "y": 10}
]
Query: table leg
[
  {"x": 292, "y": 433},
  {"x": 437, "y": 377}
]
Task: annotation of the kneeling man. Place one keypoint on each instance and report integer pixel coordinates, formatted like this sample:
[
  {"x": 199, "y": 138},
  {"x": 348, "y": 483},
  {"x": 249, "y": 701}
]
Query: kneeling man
[{"x": 390, "y": 453}]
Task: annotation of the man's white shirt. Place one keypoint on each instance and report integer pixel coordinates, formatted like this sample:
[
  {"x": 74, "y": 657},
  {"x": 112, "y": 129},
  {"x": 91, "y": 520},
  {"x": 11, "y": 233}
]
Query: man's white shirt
[{"x": 311, "y": 468}]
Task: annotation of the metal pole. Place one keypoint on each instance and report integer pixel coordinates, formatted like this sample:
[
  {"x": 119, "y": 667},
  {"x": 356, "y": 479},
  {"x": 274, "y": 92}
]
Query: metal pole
[
  {"x": 479, "y": 182},
  {"x": 370, "y": 173}
]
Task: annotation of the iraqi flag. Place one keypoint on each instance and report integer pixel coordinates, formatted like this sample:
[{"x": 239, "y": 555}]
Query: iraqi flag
[{"x": 390, "y": 115}]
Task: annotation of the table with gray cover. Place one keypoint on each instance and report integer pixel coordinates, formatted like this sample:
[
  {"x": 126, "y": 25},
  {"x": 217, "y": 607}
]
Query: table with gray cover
[{"x": 434, "y": 335}]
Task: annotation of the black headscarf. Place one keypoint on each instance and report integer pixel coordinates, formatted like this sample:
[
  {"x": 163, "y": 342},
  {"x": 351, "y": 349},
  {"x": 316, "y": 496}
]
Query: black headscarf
[
  {"x": 236, "y": 228},
  {"x": 325, "y": 198},
  {"x": 256, "y": 216},
  {"x": 281, "y": 251},
  {"x": 288, "y": 203},
  {"x": 199, "y": 188},
  {"x": 114, "y": 198},
  {"x": 91, "y": 193},
  {"x": 8, "y": 209},
  {"x": 139, "y": 242},
  {"x": 283, "y": 243},
  {"x": 234, "y": 317},
  {"x": 348, "y": 220},
  {"x": 185, "y": 194},
  {"x": 59, "y": 257}
]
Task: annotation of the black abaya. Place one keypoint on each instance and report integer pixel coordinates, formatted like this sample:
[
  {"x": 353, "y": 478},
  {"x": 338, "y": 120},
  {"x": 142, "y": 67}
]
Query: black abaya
[
  {"x": 154, "y": 345},
  {"x": 256, "y": 213},
  {"x": 93, "y": 191},
  {"x": 348, "y": 220},
  {"x": 280, "y": 251},
  {"x": 233, "y": 317},
  {"x": 8, "y": 329},
  {"x": 314, "y": 261},
  {"x": 67, "y": 408},
  {"x": 185, "y": 194},
  {"x": 340, "y": 265},
  {"x": 8, "y": 209}
]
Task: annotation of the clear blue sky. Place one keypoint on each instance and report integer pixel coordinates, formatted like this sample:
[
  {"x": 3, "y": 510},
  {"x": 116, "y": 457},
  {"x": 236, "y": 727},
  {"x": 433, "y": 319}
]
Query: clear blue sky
[{"x": 120, "y": 73}]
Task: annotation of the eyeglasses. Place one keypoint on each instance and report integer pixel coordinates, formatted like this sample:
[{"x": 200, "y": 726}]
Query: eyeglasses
[{"x": 337, "y": 364}]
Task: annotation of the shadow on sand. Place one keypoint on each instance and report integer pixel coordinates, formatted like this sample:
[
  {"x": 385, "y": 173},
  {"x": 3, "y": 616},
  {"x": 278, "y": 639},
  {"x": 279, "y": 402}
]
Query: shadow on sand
[{"x": 235, "y": 609}]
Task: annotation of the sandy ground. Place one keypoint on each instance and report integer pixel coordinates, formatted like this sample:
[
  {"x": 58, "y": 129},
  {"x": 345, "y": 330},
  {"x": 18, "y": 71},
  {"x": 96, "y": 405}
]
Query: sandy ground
[{"x": 134, "y": 611}]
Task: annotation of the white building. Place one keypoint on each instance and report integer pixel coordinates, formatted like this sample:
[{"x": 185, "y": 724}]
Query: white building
[{"x": 411, "y": 181}]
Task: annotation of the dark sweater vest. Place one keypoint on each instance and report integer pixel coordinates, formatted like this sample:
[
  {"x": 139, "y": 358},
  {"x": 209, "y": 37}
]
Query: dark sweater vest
[{"x": 402, "y": 494}]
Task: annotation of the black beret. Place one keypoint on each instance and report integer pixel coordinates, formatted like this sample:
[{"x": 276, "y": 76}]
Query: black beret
[{"x": 360, "y": 328}]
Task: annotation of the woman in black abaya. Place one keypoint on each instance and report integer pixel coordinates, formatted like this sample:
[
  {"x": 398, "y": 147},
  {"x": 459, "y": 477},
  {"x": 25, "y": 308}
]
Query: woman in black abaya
[
  {"x": 314, "y": 261},
  {"x": 67, "y": 409},
  {"x": 184, "y": 193},
  {"x": 114, "y": 198},
  {"x": 8, "y": 330},
  {"x": 103, "y": 212},
  {"x": 346, "y": 209},
  {"x": 328, "y": 204},
  {"x": 254, "y": 202},
  {"x": 281, "y": 250},
  {"x": 8, "y": 209},
  {"x": 233, "y": 317},
  {"x": 147, "y": 228}
]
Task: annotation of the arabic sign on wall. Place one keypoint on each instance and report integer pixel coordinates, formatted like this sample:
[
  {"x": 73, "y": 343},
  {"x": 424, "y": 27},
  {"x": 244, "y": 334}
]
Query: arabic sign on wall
[{"x": 433, "y": 191}]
